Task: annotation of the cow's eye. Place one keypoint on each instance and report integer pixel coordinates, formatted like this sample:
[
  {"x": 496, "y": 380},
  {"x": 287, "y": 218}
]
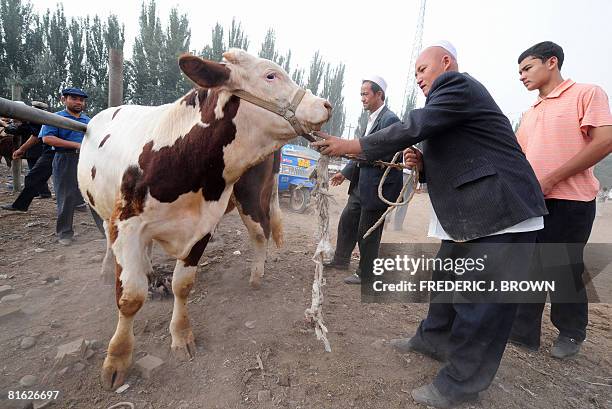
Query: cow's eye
[{"x": 271, "y": 76}]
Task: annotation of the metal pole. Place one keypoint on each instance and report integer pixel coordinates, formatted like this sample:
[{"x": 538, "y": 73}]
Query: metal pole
[
  {"x": 22, "y": 112},
  {"x": 16, "y": 164},
  {"x": 115, "y": 77}
]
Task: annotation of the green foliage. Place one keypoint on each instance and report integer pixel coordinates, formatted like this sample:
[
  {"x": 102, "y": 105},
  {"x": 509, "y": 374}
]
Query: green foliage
[
  {"x": 298, "y": 76},
  {"x": 410, "y": 102},
  {"x": 76, "y": 53},
  {"x": 333, "y": 85},
  {"x": 48, "y": 52},
  {"x": 268, "y": 47},
  {"x": 57, "y": 42},
  {"x": 215, "y": 50},
  {"x": 177, "y": 38},
  {"x": 96, "y": 66},
  {"x": 147, "y": 58},
  {"x": 15, "y": 25},
  {"x": 114, "y": 33},
  {"x": 315, "y": 73},
  {"x": 362, "y": 124},
  {"x": 237, "y": 38}
]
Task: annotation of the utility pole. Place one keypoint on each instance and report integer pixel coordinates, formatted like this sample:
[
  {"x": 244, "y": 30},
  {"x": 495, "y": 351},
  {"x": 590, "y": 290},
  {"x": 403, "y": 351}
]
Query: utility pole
[{"x": 350, "y": 128}]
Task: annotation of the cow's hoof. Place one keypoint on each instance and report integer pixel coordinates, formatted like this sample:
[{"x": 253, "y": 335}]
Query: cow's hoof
[
  {"x": 114, "y": 371},
  {"x": 184, "y": 352},
  {"x": 255, "y": 283}
]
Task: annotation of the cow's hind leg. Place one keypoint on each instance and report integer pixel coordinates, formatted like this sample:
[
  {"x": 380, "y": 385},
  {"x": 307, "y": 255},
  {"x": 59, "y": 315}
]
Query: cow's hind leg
[
  {"x": 108, "y": 264},
  {"x": 276, "y": 221},
  {"x": 259, "y": 241},
  {"x": 183, "y": 341},
  {"x": 131, "y": 292}
]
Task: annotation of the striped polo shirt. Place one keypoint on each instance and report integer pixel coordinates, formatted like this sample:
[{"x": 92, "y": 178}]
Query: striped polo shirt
[{"x": 556, "y": 128}]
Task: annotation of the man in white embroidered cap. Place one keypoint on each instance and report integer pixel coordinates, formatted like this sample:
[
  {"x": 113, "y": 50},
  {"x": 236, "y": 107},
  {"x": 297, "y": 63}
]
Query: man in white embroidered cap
[
  {"x": 487, "y": 204},
  {"x": 364, "y": 207}
]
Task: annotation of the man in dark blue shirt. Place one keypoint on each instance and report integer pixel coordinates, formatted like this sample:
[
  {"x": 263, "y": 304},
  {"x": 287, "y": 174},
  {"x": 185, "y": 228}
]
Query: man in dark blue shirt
[{"x": 66, "y": 144}]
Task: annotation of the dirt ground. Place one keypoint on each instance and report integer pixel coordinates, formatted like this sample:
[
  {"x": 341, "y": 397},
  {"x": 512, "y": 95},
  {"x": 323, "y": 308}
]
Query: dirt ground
[{"x": 64, "y": 300}]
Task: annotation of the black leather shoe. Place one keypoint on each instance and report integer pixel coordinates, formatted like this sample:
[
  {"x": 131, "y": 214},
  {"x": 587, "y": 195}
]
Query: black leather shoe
[
  {"x": 11, "y": 208},
  {"x": 430, "y": 395},
  {"x": 516, "y": 341},
  {"x": 82, "y": 207},
  {"x": 337, "y": 265},
  {"x": 352, "y": 279},
  {"x": 414, "y": 344},
  {"x": 565, "y": 347}
]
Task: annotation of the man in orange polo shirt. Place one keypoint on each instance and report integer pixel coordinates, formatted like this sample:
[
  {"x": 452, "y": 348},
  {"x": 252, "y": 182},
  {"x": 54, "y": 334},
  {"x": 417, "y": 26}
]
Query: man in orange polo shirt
[{"x": 564, "y": 134}]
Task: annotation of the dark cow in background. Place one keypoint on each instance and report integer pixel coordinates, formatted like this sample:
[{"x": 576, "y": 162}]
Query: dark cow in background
[
  {"x": 256, "y": 198},
  {"x": 166, "y": 174},
  {"x": 8, "y": 143}
]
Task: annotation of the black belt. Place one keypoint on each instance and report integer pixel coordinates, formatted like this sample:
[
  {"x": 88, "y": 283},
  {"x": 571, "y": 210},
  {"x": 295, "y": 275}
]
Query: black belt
[{"x": 68, "y": 151}]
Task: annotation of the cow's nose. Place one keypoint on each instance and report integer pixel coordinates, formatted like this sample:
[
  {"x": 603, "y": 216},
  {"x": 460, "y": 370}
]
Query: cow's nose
[{"x": 327, "y": 105}]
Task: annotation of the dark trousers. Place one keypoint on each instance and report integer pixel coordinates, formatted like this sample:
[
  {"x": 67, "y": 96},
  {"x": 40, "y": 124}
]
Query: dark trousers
[
  {"x": 98, "y": 220},
  {"x": 400, "y": 211},
  {"x": 354, "y": 222},
  {"x": 568, "y": 222},
  {"x": 35, "y": 182},
  {"x": 66, "y": 191},
  {"x": 472, "y": 336},
  {"x": 31, "y": 162},
  {"x": 43, "y": 188}
]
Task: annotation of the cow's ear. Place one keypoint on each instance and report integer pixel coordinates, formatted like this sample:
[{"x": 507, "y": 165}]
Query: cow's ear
[{"x": 205, "y": 73}]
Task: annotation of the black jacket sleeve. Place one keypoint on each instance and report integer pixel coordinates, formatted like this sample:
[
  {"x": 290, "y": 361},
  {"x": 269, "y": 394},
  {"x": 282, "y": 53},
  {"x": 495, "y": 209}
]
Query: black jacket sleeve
[{"x": 349, "y": 170}]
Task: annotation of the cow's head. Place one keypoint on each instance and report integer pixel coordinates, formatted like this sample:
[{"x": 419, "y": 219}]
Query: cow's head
[{"x": 264, "y": 79}]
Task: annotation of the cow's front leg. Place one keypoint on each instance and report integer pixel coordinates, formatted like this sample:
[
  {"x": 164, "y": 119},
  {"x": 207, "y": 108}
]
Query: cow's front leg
[
  {"x": 183, "y": 341},
  {"x": 130, "y": 292}
]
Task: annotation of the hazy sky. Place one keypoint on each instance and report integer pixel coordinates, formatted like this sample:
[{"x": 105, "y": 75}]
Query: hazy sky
[{"x": 377, "y": 36}]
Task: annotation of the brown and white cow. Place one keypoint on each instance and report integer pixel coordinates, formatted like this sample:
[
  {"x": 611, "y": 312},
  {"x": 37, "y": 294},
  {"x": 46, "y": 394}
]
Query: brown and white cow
[
  {"x": 166, "y": 174},
  {"x": 256, "y": 199}
]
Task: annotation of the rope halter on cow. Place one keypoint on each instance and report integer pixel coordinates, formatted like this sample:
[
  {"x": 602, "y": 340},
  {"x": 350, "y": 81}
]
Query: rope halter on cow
[{"x": 286, "y": 111}]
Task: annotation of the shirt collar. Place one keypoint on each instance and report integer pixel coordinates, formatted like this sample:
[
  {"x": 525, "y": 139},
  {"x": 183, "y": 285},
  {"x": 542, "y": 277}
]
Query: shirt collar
[
  {"x": 375, "y": 114},
  {"x": 556, "y": 93}
]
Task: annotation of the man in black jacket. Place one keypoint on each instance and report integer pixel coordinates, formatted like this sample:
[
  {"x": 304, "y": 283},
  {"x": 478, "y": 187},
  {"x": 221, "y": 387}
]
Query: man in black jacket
[
  {"x": 40, "y": 159},
  {"x": 364, "y": 207},
  {"x": 483, "y": 191}
]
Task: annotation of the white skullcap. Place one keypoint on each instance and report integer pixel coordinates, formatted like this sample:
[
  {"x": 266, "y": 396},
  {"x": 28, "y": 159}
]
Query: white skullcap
[
  {"x": 447, "y": 46},
  {"x": 378, "y": 81}
]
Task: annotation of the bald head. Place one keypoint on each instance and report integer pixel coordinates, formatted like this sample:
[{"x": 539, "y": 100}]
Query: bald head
[
  {"x": 431, "y": 63},
  {"x": 439, "y": 54}
]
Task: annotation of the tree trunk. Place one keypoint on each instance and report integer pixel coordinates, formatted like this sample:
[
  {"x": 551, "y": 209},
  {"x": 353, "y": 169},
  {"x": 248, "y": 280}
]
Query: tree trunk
[{"x": 115, "y": 77}]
